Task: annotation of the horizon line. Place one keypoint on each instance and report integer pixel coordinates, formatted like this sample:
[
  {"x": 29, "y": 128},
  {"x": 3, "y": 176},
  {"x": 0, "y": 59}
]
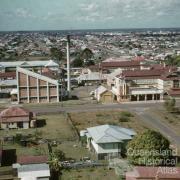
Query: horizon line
[{"x": 133, "y": 28}]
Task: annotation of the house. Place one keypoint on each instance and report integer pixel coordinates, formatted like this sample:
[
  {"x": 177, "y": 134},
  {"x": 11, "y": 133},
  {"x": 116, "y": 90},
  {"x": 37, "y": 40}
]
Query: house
[
  {"x": 16, "y": 117},
  {"x": 36, "y": 88},
  {"x": 36, "y": 65},
  {"x": 154, "y": 173},
  {"x": 32, "y": 168},
  {"x": 33, "y": 172},
  {"x": 91, "y": 78},
  {"x": 108, "y": 140},
  {"x": 103, "y": 95}
]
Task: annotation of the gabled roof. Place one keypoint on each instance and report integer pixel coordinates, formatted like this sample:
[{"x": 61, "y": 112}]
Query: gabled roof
[
  {"x": 32, "y": 159},
  {"x": 14, "y": 112},
  {"x": 36, "y": 75},
  {"x": 100, "y": 90},
  {"x": 109, "y": 133},
  {"x": 51, "y": 63},
  {"x": 28, "y": 63}
]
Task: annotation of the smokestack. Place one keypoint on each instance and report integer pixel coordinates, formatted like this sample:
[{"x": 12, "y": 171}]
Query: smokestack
[{"x": 68, "y": 67}]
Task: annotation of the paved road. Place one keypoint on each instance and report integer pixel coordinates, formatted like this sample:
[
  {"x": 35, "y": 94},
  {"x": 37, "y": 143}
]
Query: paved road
[{"x": 141, "y": 109}]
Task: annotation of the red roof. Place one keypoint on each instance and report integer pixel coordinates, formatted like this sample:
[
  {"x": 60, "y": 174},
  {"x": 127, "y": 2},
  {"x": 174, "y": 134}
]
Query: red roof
[
  {"x": 14, "y": 112},
  {"x": 174, "y": 92},
  {"x": 121, "y": 64},
  {"x": 32, "y": 159},
  {"x": 142, "y": 172},
  {"x": 139, "y": 58},
  {"x": 137, "y": 74},
  {"x": 8, "y": 75},
  {"x": 152, "y": 73}
]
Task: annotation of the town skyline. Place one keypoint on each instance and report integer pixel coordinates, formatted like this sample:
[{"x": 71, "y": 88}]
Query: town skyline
[{"x": 65, "y": 15}]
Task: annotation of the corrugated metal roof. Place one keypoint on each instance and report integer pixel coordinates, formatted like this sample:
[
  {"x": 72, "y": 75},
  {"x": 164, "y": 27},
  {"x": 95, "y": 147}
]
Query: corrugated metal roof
[
  {"x": 28, "y": 63},
  {"x": 109, "y": 133},
  {"x": 34, "y": 167}
]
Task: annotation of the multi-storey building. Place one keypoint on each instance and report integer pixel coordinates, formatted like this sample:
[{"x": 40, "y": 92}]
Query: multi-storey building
[
  {"x": 36, "y": 88},
  {"x": 143, "y": 85}
]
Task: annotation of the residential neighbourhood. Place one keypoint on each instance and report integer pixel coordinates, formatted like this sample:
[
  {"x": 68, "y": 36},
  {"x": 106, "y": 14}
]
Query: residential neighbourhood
[
  {"x": 83, "y": 119},
  {"x": 95, "y": 104}
]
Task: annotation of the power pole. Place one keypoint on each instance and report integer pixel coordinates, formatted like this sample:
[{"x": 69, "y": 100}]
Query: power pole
[{"x": 68, "y": 67}]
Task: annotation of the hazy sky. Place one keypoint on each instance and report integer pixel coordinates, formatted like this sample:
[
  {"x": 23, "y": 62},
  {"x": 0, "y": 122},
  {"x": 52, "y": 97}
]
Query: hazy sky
[{"x": 88, "y": 14}]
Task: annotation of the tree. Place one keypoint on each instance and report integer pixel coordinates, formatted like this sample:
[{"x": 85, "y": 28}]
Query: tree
[
  {"x": 56, "y": 54},
  {"x": 55, "y": 166},
  {"x": 170, "y": 104},
  {"x": 86, "y": 54},
  {"x": 148, "y": 148},
  {"x": 172, "y": 60},
  {"x": 55, "y": 158},
  {"x": 77, "y": 62}
]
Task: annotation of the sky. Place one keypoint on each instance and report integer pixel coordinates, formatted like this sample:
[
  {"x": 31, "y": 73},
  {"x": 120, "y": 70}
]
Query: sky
[{"x": 88, "y": 14}]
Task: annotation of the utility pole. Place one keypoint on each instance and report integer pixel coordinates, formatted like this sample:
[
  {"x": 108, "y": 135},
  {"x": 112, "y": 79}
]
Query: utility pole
[{"x": 68, "y": 67}]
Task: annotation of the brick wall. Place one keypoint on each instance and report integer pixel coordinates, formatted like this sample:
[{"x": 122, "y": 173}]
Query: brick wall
[
  {"x": 22, "y": 79},
  {"x": 32, "y": 81}
]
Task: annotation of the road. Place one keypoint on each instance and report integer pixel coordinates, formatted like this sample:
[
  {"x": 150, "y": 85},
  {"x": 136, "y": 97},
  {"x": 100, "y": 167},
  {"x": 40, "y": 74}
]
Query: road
[{"x": 141, "y": 109}]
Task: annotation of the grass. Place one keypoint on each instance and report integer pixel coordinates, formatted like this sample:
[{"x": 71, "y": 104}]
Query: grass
[
  {"x": 84, "y": 120},
  {"x": 56, "y": 128},
  {"x": 171, "y": 119},
  {"x": 98, "y": 173}
]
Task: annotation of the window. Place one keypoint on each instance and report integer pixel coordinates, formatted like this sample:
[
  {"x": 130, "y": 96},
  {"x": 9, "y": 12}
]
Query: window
[{"x": 176, "y": 84}]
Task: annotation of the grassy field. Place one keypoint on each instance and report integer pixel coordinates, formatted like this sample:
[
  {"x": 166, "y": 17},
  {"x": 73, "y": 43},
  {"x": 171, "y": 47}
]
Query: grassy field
[
  {"x": 89, "y": 119},
  {"x": 171, "y": 119},
  {"x": 56, "y": 128},
  {"x": 99, "y": 173}
]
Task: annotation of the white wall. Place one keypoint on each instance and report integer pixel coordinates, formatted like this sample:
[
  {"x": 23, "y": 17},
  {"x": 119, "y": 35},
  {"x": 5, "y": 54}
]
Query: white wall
[
  {"x": 26, "y": 125},
  {"x": 105, "y": 148}
]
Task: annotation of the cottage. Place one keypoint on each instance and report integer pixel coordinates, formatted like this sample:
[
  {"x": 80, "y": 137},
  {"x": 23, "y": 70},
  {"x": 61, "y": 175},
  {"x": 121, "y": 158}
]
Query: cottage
[
  {"x": 16, "y": 117},
  {"x": 103, "y": 95},
  {"x": 108, "y": 140}
]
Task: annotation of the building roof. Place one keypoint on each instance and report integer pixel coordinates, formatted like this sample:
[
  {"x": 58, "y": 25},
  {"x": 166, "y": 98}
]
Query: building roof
[
  {"x": 6, "y": 75},
  {"x": 162, "y": 73},
  {"x": 32, "y": 159},
  {"x": 8, "y": 82},
  {"x": 93, "y": 76},
  {"x": 33, "y": 171},
  {"x": 11, "y": 64},
  {"x": 142, "y": 172},
  {"x": 100, "y": 90},
  {"x": 121, "y": 64},
  {"x": 36, "y": 75},
  {"x": 109, "y": 133},
  {"x": 14, "y": 112},
  {"x": 174, "y": 92}
]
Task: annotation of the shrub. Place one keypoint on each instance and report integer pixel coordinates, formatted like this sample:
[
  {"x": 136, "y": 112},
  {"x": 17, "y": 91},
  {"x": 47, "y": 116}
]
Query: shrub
[
  {"x": 123, "y": 118},
  {"x": 126, "y": 113}
]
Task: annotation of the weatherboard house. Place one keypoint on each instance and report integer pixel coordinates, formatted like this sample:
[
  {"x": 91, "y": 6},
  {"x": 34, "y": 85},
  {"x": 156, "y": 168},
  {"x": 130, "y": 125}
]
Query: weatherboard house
[{"x": 107, "y": 140}]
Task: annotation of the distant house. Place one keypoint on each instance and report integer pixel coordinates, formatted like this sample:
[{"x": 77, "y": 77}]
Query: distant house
[
  {"x": 154, "y": 173},
  {"x": 108, "y": 140},
  {"x": 16, "y": 117},
  {"x": 103, "y": 95}
]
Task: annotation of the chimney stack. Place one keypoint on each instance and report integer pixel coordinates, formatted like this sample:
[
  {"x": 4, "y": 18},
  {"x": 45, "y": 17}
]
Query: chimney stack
[{"x": 68, "y": 67}]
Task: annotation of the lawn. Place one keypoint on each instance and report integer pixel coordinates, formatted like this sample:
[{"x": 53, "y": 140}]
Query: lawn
[
  {"x": 56, "y": 128},
  {"x": 84, "y": 120}
]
